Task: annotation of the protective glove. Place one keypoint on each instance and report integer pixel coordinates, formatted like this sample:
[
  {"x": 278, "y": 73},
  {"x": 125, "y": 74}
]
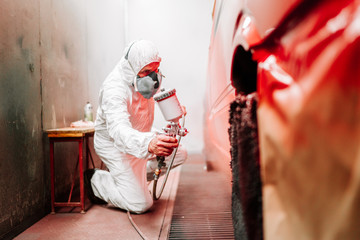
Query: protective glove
[{"x": 162, "y": 145}]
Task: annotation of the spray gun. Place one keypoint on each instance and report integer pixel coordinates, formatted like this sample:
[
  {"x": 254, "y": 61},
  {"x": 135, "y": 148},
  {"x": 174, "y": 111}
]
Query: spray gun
[{"x": 172, "y": 112}]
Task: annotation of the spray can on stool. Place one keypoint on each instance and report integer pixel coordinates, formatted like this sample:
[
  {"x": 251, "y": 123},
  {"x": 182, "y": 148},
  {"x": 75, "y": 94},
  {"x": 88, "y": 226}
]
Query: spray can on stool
[{"x": 88, "y": 114}]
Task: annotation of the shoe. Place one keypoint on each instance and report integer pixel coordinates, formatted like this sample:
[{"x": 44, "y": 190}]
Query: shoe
[{"x": 87, "y": 182}]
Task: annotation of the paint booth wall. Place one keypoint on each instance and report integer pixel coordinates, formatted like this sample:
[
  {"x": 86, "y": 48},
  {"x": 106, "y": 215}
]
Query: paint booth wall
[{"x": 53, "y": 57}]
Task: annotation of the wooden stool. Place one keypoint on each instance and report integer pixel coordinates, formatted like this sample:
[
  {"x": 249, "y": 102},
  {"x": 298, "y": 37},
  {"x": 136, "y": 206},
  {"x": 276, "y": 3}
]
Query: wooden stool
[{"x": 70, "y": 134}]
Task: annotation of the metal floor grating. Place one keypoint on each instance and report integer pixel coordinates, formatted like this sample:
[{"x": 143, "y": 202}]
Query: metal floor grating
[{"x": 203, "y": 204}]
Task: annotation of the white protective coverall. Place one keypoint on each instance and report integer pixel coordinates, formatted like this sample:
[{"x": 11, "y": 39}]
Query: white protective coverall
[{"x": 123, "y": 132}]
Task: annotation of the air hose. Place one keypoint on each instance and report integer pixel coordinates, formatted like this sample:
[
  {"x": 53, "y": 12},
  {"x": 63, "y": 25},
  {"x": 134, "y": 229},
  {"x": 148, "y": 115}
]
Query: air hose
[{"x": 136, "y": 227}]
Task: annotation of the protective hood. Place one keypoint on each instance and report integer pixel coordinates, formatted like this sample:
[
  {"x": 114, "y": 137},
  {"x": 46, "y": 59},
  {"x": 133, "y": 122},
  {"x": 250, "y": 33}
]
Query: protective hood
[{"x": 139, "y": 54}]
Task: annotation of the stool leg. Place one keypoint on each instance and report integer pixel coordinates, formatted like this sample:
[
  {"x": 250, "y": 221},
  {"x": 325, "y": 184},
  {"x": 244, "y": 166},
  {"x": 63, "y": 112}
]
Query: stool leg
[
  {"x": 52, "y": 177},
  {"x": 81, "y": 175},
  {"x": 87, "y": 152}
]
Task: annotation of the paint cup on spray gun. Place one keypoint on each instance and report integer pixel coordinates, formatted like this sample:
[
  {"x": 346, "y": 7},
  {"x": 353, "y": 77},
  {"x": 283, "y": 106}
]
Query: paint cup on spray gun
[
  {"x": 88, "y": 114},
  {"x": 172, "y": 111},
  {"x": 169, "y": 105}
]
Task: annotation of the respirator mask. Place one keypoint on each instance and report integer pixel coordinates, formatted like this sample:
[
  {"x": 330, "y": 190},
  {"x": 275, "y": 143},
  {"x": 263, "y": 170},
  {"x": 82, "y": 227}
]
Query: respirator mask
[{"x": 147, "y": 86}]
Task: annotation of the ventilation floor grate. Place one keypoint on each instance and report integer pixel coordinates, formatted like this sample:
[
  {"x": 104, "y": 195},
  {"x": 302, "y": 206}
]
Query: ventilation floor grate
[{"x": 203, "y": 204}]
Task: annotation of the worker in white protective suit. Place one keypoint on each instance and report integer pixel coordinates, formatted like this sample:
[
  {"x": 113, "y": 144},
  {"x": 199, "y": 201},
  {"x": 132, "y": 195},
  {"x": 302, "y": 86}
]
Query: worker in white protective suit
[{"x": 124, "y": 138}]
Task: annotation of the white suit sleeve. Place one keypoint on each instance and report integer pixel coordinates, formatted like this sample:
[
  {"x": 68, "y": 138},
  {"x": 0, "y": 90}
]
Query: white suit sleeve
[{"x": 127, "y": 139}]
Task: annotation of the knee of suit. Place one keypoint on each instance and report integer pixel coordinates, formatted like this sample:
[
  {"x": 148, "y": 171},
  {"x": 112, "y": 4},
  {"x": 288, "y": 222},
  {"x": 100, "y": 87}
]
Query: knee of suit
[
  {"x": 182, "y": 155},
  {"x": 140, "y": 207}
]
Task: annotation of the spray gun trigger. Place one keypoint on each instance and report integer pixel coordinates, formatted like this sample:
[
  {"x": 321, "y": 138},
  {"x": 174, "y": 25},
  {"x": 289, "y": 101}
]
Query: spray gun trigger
[{"x": 183, "y": 132}]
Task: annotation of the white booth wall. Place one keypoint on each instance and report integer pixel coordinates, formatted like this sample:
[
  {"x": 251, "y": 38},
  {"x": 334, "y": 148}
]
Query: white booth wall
[{"x": 181, "y": 30}]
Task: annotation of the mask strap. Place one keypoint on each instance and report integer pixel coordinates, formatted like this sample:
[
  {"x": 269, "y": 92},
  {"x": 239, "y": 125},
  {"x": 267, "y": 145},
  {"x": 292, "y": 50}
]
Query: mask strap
[
  {"x": 127, "y": 54},
  {"x": 127, "y": 57}
]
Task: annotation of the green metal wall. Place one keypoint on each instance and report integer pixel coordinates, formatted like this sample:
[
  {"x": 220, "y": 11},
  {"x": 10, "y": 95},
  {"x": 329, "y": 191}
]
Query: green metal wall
[{"x": 44, "y": 84}]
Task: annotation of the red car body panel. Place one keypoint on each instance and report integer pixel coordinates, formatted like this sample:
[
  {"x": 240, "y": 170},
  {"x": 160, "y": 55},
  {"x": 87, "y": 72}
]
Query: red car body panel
[
  {"x": 309, "y": 126},
  {"x": 308, "y": 112}
]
